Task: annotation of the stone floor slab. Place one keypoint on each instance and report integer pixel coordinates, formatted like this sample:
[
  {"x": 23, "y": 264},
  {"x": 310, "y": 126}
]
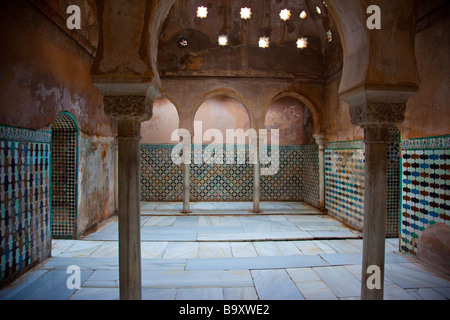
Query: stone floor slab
[
  {"x": 249, "y": 263},
  {"x": 341, "y": 282},
  {"x": 275, "y": 285}
]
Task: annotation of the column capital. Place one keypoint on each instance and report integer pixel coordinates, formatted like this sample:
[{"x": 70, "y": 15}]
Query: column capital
[
  {"x": 128, "y": 101},
  {"x": 377, "y": 107},
  {"x": 377, "y": 114},
  {"x": 320, "y": 138},
  {"x": 129, "y": 108}
]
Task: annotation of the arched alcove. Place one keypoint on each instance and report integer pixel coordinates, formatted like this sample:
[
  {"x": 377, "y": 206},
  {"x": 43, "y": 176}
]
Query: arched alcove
[
  {"x": 222, "y": 112},
  {"x": 64, "y": 176},
  {"x": 165, "y": 120},
  {"x": 293, "y": 120}
]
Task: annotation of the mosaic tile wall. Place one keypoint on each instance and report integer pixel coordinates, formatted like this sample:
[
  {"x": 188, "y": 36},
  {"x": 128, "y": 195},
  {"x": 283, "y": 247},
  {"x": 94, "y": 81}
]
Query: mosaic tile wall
[
  {"x": 25, "y": 235},
  {"x": 161, "y": 180},
  {"x": 64, "y": 150},
  {"x": 227, "y": 182},
  {"x": 344, "y": 182},
  {"x": 287, "y": 183},
  {"x": 425, "y": 185},
  {"x": 310, "y": 188}
]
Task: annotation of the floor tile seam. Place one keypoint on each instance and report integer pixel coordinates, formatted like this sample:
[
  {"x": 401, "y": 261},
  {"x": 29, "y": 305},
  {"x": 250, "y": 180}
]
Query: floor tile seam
[
  {"x": 331, "y": 289},
  {"x": 98, "y": 248}
]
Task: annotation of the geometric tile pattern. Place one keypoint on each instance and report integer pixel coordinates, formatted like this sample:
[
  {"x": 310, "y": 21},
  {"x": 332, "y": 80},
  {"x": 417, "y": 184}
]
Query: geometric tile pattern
[
  {"x": 344, "y": 185},
  {"x": 25, "y": 235},
  {"x": 425, "y": 185},
  {"x": 344, "y": 182},
  {"x": 310, "y": 180},
  {"x": 286, "y": 184},
  {"x": 213, "y": 182},
  {"x": 393, "y": 187},
  {"x": 161, "y": 180},
  {"x": 64, "y": 151}
]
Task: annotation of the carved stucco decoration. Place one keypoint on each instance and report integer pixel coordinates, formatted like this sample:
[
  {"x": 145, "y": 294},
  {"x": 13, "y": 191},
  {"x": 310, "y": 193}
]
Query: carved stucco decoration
[
  {"x": 134, "y": 108},
  {"x": 377, "y": 114}
]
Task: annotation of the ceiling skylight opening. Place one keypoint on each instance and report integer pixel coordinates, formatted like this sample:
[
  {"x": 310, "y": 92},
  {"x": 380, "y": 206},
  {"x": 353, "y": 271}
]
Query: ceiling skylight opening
[
  {"x": 285, "y": 14},
  {"x": 246, "y": 13},
  {"x": 223, "y": 40},
  {"x": 202, "y": 12},
  {"x": 302, "y": 43},
  {"x": 303, "y": 15},
  {"x": 329, "y": 36},
  {"x": 264, "y": 42},
  {"x": 183, "y": 41}
]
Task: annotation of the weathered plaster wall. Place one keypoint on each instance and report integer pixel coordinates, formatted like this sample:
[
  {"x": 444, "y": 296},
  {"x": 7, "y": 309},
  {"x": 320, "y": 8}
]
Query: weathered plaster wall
[
  {"x": 95, "y": 181},
  {"x": 255, "y": 94},
  {"x": 159, "y": 129},
  {"x": 292, "y": 118},
  {"x": 44, "y": 72},
  {"x": 427, "y": 110},
  {"x": 432, "y": 46},
  {"x": 337, "y": 123},
  {"x": 222, "y": 113}
]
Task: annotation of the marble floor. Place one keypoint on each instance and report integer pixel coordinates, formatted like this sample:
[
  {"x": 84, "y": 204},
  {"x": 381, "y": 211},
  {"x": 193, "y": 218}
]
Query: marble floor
[{"x": 278, "y": 255}]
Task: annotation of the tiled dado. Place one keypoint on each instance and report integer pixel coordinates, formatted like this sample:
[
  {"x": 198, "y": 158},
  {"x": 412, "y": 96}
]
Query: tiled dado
[
  {"x": 25, "y": 232},
  {"x": 425, "y": 185},
  {"x": 344, "y": 182},
  {"x": 161, "y": 180},
  {"x": 310, "y": 165}
]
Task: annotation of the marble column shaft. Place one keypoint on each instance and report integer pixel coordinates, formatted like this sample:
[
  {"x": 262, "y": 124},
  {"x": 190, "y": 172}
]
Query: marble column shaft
[
  {"x": 129, "y": 112},
  {"x": 320, "y": 141},
  {"x": 376, "y": 118}
]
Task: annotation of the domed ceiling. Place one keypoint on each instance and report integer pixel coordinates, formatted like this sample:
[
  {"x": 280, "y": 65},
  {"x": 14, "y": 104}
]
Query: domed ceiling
[{"x": 280, "y": 39}]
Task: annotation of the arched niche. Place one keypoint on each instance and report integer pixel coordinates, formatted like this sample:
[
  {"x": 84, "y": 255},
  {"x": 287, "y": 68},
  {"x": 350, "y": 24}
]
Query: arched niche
[
  {"x": 221, "y": 112},
  {"x": 165, "y": 120},
  {"x": 292, "y": 118},
  {"x": 64, "y": 177}
]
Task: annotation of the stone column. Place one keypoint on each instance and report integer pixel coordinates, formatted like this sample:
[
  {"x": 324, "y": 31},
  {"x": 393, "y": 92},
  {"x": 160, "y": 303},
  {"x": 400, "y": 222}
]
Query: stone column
[
  {"x": 320, "y": 141},
  {"x": 257, "y": 139},
  {"x": 375, "y": 206},
  {"x": 368, "y": 110},
  {"x": 129, "y": 112},
  {"x": 254, "y": 141},
  {"x": 116, "y": 176},
  {"x": 185, "y": 132},
  {"x": 187, "y": 174}
]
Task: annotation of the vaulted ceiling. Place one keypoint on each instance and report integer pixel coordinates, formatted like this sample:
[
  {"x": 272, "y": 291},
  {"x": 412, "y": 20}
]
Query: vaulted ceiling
[{"x": 201, "y": 54}]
